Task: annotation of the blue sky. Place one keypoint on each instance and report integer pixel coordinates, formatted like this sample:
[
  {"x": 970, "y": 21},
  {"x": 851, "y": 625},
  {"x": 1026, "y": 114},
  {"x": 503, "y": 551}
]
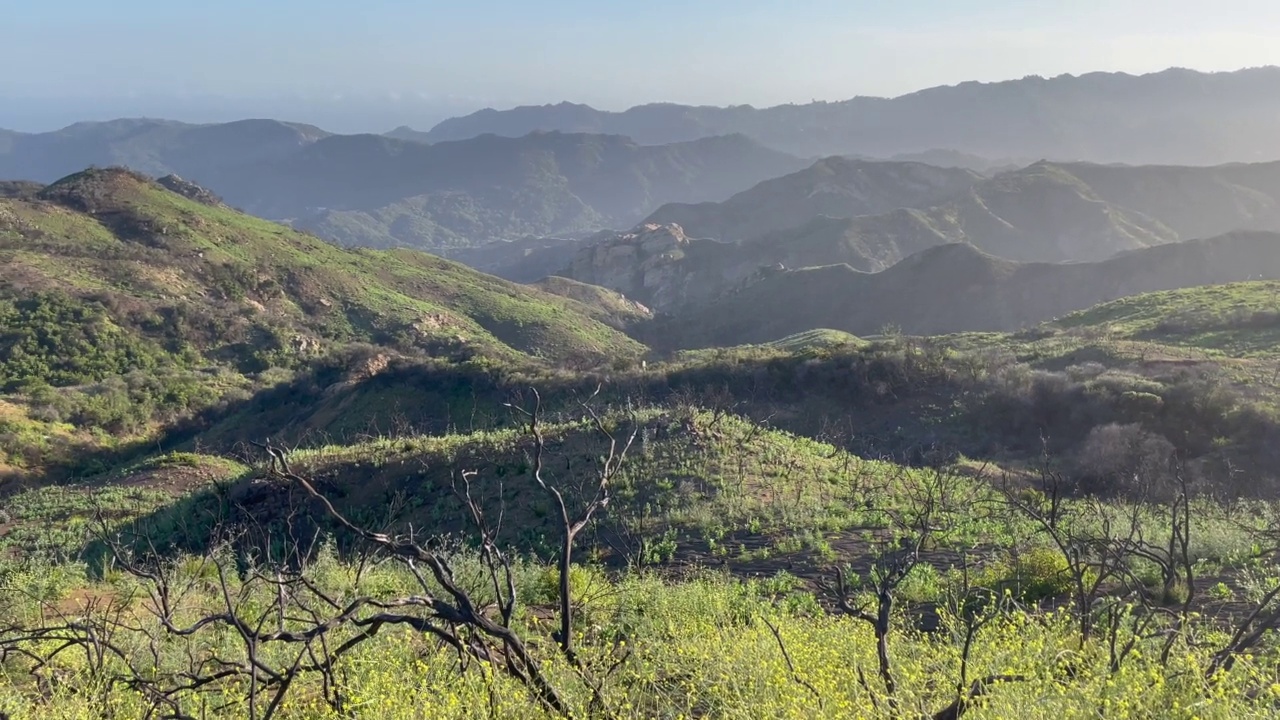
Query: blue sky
[{"x": 441, "y": 57}]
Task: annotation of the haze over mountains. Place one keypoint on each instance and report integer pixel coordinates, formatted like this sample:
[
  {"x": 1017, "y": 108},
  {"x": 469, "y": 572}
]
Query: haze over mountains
[
  {"x": 680, "y": 209},
  {"x": 834, "y": 213},
  {"x": 957, "y": 287},
  {"x": 1174, "y": 117},
  {"x": 375, "y": 191}
]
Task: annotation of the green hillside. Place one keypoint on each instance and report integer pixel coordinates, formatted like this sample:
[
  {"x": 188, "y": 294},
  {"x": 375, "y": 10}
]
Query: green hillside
[
  {"x": 117, "y": 234},
  {"x": 130, "y": 303},
  {"x": 1237, "y": 320}
]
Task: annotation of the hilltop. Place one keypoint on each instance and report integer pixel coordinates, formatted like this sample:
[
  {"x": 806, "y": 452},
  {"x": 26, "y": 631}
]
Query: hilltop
[
  {"x": 1172, "y": 117},
  {"x": 958, "y": 288}
]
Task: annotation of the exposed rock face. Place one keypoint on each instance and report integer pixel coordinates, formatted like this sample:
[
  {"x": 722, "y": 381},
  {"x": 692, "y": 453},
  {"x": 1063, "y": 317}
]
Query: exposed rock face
[
  {"x": 189, "y": 190},
  {"x": 656, "y": 265}
]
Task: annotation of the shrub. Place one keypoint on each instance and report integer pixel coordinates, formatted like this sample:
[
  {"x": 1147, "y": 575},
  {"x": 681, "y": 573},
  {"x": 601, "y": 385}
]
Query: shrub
[
  {"x": 1032, "y": 576},
  {"x": 1125, "y": 459}
]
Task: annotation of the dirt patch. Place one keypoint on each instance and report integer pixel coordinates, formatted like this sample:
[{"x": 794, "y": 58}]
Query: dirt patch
[{"x": 174, "y": 479}]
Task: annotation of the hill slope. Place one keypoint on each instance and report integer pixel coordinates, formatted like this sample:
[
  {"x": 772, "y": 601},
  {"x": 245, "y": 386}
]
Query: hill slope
[
  {"x": 186, "y": 275},
  {"x": 956, "y": 288},
  {"x": 1038, "y": 214},
  {"x": 1176, "y": 116},
  {"x": 836, "y": 187}
]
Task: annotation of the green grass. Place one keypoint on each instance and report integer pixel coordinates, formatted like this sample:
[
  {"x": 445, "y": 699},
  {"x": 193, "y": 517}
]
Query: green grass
[
  {"x": 59, "y": 522},
  {"x": 1238, "y": 320},
  {"x": 814, "y": 339}
]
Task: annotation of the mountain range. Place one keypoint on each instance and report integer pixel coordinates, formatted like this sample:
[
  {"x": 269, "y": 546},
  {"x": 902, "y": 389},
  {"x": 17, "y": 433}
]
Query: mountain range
[
  {"x": 957, "y": 287},
  {"x": 1176, "y": 116},
  {"x": 375, "y": 191},
  {"x": 834, "y": 213}
]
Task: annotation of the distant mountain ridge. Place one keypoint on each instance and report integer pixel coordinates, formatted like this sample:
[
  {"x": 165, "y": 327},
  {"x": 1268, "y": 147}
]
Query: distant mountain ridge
[
  {"x": 1176, "y": 116},
  {"x": 151, "y": 146},
  {"x": 377, "y": 191},
  {"x": 958, "y": 288}
]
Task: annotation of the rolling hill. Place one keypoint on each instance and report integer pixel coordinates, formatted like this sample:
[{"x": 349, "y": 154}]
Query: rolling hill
[
  {"x": 1188, "y": 202},
  {"x": 174, "y": 275},
  {"x": 1176, "y": 116},
  {"x": 957, "y": 288},
  {"x": 836, "y": 187}
]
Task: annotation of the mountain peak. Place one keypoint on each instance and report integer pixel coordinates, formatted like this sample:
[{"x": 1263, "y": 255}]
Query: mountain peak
[{"x": 92, "y": 189}]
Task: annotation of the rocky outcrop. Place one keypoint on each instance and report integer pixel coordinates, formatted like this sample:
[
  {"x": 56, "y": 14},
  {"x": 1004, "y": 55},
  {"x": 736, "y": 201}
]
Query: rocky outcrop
[
  {"x": 189, "y": 190},
  {"x": 658, "y": 265}
]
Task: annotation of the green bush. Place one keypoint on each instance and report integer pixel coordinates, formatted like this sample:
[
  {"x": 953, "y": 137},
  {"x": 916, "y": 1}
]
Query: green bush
[
  {"x": 59, "y": 340},
  {"x": 1035, "y": 575}
]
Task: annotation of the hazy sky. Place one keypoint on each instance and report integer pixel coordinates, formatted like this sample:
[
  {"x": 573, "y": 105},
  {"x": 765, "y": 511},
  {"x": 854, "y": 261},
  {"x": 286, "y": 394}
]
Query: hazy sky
[{"x": 387, "y": 62}]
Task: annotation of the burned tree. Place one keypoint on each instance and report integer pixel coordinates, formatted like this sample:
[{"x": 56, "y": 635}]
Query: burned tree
[{"x": 594, "y": 498}]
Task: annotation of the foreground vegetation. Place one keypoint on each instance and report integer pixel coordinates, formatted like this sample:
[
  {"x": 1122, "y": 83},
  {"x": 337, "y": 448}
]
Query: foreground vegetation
[
  {"x": 705, "y": 647},
  {"x": 958, "y": 595}
]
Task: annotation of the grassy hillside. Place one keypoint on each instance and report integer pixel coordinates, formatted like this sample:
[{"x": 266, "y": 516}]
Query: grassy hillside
[
  {"x": 119, "y": 234},
  {"x": 1240, "y": 320},
  {"x": 605, "y": 305},
  {"x": 705, "y": 586},
  {"x": 130, "y": 303},
  {"x": 956, "y": 287}
]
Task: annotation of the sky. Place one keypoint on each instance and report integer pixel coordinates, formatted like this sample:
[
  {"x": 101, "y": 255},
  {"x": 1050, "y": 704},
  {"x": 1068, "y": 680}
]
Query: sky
[{"x": 376, "y": 64}]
